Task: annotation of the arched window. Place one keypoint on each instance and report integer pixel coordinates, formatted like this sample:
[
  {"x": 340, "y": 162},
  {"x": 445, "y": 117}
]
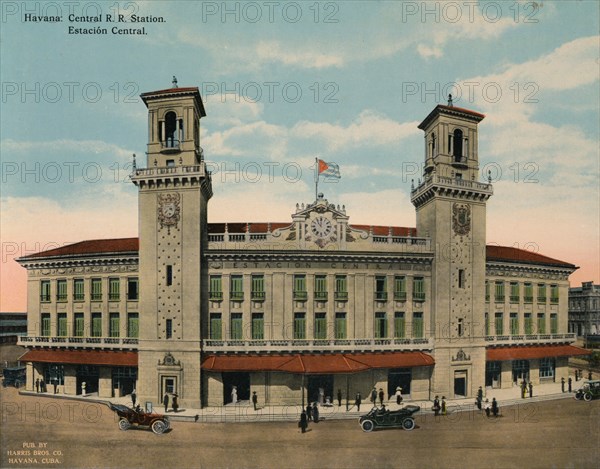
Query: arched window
[
  {"x": 171, "y": 137},
  {"x": 458, "y": 145}
]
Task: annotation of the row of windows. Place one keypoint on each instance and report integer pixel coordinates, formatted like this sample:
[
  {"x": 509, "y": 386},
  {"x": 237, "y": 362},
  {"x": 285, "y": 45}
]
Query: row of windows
[
  {"x": 515, "y": 292},
  {"x": 320, "y": 327},
  {"x": 300, "y": 291},
  {"x": 95, "y": 288},
  {"x": 514, "y": 326},
  {"x": 93, "y": 328}
]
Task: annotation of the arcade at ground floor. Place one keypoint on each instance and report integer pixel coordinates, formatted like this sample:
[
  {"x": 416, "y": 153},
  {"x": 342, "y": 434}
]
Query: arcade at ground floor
[{"x": 292, "y": 379}]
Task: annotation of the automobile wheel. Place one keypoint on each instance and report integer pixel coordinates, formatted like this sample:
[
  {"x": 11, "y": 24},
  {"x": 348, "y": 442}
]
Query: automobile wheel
[
  {"x": 159, "y": 427},
  {"x": 587, "y": 396},
  {"x": 124, "y": 424},
  {"x": 367, "y": 425},
  {"x": 408, "y": 424},
  {"x": 167, "y": 424},
  {"x": 578, "y": 396}
]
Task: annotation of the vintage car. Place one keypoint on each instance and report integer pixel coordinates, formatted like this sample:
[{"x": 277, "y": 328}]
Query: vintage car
[
  {"x": 128, "y": 417},
  {"x": 590, "y": 390},
  {"x": 14, "y": 376},
  {"x": 389, "y": 418}
]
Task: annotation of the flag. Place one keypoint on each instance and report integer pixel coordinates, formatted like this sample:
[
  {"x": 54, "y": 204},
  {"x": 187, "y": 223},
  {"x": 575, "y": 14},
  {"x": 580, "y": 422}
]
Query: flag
[{"x": 330, "y": 170}]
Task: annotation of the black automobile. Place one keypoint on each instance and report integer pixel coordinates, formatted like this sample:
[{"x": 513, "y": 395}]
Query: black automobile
[
  {"x": 14, "y": 376},
  {"x": 590, "y": 390},
  {"x": 382, "y": 418},
  {"x": 129, "y": 417}
]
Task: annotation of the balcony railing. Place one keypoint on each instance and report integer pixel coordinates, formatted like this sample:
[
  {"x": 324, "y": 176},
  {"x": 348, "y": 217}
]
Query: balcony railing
[
  {"x": 80, "y": 342},
  {"x": 300, "y": 295},
  {"x": 381, "y": 296},
  {"x": 400, "y": 295},
  {"x": 541, "y": 299},
  {"x": 315, "y": 345},
  {"x": 530, "y": 339},
  {"x": 258, "y": 296},
  {"x": 418, "y": 296},
  {"x": 341, "y": 296},
  {"x": 321, "y": 295},
  {"x": 514, "y": 298},
  {"x": 236, "y": 296},
  {"x": 215, "y": 295},
  {"x": 499, "y": 298}
]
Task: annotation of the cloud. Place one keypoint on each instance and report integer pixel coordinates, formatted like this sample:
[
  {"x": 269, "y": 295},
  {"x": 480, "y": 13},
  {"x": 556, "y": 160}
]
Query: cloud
[
  {"x": 86, "y": 147},
  {"x": 369, "y": 129}
]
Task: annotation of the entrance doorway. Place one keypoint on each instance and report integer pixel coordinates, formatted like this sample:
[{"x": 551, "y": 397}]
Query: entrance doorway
[
  {"x": 520, "y": 371},
  {"x": 90, "y": 375},
  {"x": 399, "y": 377},
  {"x": 241, "y": 381},
  {"x": 320, "y": 387},
  {"x": 460, "y": 383},
  {"x": 493, "y": 372}
]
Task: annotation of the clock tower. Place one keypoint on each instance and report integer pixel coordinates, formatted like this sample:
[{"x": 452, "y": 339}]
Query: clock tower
[
  {"x": 174, "y": 190},
  {"x": 451, "y": 210}
]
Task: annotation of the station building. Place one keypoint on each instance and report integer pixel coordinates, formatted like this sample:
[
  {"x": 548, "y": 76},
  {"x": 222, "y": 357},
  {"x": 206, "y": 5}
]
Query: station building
[{"x": 296, "y": 309}]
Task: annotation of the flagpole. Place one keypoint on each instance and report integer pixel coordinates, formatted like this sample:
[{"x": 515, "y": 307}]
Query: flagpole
[{"x": 316, "y": 178}]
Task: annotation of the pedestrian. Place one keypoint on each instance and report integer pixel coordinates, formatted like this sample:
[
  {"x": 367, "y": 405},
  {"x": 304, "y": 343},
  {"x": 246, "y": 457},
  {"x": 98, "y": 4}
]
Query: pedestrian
[
  {"x": 303, "y": 423},
  {"x": 399, "y": 395},
  {"x": 55, "y": 384},
  {"x": 530, "y": 389},
  {"x": 570, "y": 384},
  {"x": 374, "y": 397},
  {"x": 315, "y": 412},
  {"x": 436, "y": 406},
  {"x": 487, "y": 407},
  {"x": 309, "y": 412},
  {"x": 133, "y": 397},
  {"x": 590, "y": 375},
  {"x": 480, "y": 393},
  {"x": 495, "y": 407},
  {"x": 478, "y": 402},
  {"x": 166, "y": 402},
  {"x": 234, "y": 395},
  {"x": 443, "y": 405},
  {"x": 42, "y": 385},
  {"x": 357, "y": 401},
  {"x": 562, "y": 384},
  {"x": 175, "y": 404},
  {"x": 381, "y": 395},
  {"x": 523, "y": 389},
  {"x": 37, "y": 385},
  {"x": 339, "y": 397},
  {"x": 254, "y": 399}
]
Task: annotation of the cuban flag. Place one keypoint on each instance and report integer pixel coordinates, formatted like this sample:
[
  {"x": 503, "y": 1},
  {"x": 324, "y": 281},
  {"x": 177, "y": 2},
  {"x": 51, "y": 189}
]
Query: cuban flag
[{"x": 329, "y": 170}]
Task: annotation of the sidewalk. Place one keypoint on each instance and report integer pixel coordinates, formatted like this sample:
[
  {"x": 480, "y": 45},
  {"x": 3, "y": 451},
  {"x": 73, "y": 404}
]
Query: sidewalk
[{"x": 243, "y": 411}]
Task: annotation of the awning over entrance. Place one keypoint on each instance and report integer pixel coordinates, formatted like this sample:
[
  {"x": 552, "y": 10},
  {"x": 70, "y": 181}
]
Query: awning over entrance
[
  {"x": 316, "y": 364},
  {"x": 527, "y": 353},
  {"x": 82, "y": 357}
]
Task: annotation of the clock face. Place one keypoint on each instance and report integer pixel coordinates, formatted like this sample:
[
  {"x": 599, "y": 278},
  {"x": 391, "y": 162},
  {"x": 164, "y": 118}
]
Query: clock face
[{"x": 321, "y": 227}]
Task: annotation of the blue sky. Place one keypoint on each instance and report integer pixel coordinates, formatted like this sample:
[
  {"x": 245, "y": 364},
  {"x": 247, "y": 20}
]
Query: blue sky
[{"x": 368, "y": 73}]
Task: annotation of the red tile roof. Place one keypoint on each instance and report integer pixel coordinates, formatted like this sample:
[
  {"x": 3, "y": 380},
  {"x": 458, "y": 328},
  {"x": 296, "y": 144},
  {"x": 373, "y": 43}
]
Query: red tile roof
[
  {"x": 131, "y": 245},
  {"x": 95, "y": 246},
  {"x": 510, "y": 254},
  {"x": 82, "y": 357}
]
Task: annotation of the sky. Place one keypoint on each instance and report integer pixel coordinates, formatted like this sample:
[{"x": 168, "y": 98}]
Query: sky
[{"x": 284, "y": 83}]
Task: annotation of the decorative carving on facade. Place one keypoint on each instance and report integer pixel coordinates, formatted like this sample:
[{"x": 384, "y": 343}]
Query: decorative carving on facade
[
  {"x": 169, "y": 360},
  {"x": 461, "y": 356},
  {"x": 169, "y": 210},
  {"x": 461, "y": 218}
]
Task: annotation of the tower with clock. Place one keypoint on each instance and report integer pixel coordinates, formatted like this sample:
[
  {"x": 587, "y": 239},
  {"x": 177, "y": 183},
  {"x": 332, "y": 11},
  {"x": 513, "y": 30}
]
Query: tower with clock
[
  {"x": 451, "y": 209},
  {"x": 174, "y": 190}
]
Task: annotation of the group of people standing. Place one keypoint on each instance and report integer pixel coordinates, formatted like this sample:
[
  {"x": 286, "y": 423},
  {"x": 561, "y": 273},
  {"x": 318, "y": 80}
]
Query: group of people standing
[
  {"x": 174, "y": 402},
  {"x": 310, "y": 413}
]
